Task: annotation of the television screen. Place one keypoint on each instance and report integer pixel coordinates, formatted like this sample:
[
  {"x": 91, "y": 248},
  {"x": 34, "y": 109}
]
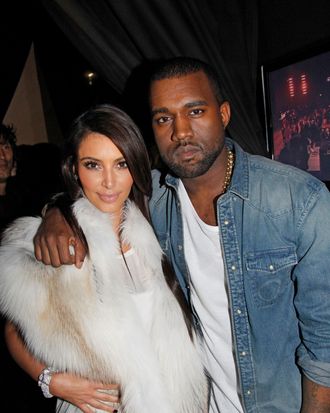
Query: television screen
[{"x": 297, "y": 113}]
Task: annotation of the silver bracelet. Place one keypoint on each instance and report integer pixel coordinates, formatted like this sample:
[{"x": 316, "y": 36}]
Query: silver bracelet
[{"x": 44, "y": 380}]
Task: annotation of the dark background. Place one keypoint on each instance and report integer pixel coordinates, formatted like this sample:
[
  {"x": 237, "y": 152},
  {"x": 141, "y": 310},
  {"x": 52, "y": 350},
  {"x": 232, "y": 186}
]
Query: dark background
[{"x": 286, "y": 27}]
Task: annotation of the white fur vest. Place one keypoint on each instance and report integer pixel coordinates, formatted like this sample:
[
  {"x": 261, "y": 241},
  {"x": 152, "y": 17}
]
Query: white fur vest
[{"x": 83, "y": 320}]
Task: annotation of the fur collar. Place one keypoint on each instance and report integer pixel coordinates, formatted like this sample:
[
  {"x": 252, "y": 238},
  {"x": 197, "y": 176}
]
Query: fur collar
[{"x": 85, "y": 321}]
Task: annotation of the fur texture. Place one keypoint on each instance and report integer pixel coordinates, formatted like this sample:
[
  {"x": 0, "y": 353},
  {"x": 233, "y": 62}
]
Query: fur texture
[{"x": 84, "y": 321}]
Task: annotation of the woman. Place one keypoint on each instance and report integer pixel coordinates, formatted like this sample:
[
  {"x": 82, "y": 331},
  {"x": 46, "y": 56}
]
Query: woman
[{"x": 121, "y": 318}]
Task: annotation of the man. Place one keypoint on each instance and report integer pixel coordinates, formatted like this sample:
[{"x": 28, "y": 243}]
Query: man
[
  {"x": 249, "y": 241},
  {"x": 7, "y": 159},
  {"x": 8, "y": 199}
]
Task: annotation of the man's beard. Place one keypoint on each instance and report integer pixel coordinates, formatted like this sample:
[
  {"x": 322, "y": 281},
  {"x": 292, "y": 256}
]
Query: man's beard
[{"x": 185, "y": 170}]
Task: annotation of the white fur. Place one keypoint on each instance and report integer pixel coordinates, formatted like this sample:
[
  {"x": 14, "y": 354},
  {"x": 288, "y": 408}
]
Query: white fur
[{"x": 83, "y": 321}]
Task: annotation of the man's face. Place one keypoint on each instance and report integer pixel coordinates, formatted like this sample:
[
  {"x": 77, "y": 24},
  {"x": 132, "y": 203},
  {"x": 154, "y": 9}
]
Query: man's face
[
  {"x": 6, "y": 160},
  {"x": 188, "y": 123}
]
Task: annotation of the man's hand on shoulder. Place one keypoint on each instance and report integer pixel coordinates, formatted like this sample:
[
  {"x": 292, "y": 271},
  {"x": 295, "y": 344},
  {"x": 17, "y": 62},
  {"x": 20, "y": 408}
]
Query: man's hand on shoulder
[{"x": 55, "y": 243}]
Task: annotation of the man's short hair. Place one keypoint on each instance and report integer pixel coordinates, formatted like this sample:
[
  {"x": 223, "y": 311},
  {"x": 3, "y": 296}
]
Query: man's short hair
[
  {"x": 182, "y": 66},
  {"x": 8, "y": 135}
]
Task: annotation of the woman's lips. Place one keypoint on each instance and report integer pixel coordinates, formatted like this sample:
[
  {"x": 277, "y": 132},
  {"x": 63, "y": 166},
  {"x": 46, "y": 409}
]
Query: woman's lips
[{"x": 108, "y": 198}]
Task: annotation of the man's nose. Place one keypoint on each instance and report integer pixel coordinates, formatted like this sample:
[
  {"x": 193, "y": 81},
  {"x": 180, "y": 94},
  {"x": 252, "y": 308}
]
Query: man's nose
[{"x": 182, "y": 129}]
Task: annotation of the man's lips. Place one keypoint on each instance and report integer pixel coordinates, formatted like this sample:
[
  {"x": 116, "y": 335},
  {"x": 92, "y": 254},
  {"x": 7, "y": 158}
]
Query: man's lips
[{"x": 186, "y": 152}]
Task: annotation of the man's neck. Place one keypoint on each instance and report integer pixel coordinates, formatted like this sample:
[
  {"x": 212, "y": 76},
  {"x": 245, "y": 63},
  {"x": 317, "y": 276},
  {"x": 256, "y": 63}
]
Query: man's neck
[{"x": 204, "y": 190}]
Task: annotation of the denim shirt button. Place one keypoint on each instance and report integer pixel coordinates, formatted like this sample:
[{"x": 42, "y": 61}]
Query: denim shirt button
[
  {"x": 243, "y": 353},
  {"x": 179, "y": 247},
  {"x": 239, "y": 311},
  {"x": 226, "y": 222},
  {"x": 248, "y": 392},
  {"x": 271, "y": 267},
  {"x": 233, "y": 267}
]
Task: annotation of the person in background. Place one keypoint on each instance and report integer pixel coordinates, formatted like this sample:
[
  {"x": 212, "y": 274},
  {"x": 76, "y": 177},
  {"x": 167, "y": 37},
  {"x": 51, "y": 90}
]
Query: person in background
[
  {"x": 29, "y": 175},
  {"x": 121, "y": 318},
  {"x": 10, "y": 200},
  {"x": 324, "y": 153},
  {"x": 7, "y": 155},
  {"x": 248, "y": 238},
  {"x": 18, "y": 199}
]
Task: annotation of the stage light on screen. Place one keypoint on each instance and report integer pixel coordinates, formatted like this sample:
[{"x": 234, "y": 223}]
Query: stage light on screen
[
  {"x": 291, "y": 87},
  {"x": 303, "y": 84}
]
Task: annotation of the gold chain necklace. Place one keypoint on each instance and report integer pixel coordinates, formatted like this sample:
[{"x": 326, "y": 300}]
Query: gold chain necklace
[{"x": 229, "y": 170}]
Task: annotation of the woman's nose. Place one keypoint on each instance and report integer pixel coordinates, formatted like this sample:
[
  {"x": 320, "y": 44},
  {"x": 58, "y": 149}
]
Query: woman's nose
[{"x": 108, "y": 179}]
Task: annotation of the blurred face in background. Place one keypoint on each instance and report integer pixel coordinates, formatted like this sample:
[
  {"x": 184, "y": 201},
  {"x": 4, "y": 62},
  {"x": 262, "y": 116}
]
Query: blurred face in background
[{"x": 7, "y": 164}]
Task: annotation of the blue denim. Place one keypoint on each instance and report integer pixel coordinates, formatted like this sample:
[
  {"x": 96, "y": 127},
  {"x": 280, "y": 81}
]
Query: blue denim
[{"x": 274, "y": 225}]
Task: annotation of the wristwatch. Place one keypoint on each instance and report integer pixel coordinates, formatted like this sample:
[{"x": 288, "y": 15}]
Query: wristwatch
[{"x": 44, "y": 381}]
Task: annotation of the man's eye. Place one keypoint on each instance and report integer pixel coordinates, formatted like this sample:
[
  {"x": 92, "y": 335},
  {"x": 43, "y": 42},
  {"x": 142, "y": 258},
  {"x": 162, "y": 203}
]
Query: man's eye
[
  {"x": 196, "y": 111},
  {"x": 163, "y": 119}
]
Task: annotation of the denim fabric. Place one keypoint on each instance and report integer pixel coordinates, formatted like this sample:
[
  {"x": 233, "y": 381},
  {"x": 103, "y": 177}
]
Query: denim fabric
[{"x": 275, "y": 235}]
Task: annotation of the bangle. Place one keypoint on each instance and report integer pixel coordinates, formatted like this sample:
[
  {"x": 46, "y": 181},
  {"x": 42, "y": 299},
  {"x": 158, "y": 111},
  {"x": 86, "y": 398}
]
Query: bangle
[{"x": 44, "y": 380}]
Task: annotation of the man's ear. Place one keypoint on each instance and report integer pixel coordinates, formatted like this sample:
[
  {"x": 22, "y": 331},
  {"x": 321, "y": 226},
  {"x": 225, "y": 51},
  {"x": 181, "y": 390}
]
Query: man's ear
[{"x": 225, "y": 113}]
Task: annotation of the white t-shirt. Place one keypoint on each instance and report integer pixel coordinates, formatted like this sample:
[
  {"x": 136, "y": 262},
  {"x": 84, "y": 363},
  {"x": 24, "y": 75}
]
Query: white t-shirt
[
  {"x": 209, "y": 298},
  {"x": 135, "y": 278}
]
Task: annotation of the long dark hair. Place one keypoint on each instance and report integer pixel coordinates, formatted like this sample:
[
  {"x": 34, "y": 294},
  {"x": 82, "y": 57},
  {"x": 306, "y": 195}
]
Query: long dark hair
[{"x": 112, "y": 122}]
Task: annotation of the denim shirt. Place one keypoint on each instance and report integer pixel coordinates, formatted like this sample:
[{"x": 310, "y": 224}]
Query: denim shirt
[{"x": 274, "y": 228}]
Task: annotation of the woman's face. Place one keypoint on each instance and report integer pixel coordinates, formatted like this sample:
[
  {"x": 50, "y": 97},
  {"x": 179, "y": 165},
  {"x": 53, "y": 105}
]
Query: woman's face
[{"x": 103, "y": 173}]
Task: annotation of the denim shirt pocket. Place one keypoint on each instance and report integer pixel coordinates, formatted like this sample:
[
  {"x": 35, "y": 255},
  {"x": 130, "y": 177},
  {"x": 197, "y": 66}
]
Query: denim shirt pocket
[{"x": 269, "y": 272}]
